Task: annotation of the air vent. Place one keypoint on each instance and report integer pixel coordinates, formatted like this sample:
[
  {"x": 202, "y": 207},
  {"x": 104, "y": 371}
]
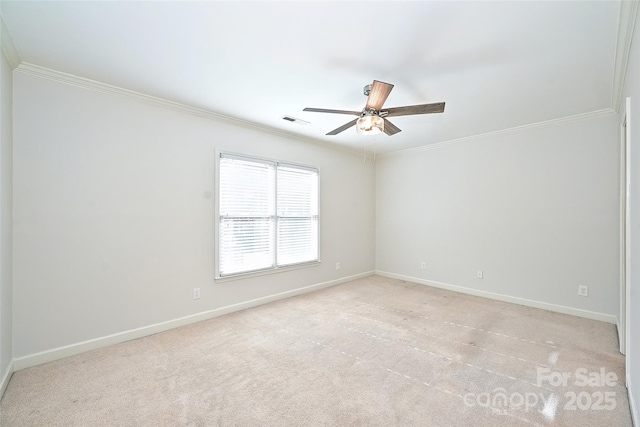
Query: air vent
[{"x": 295, "y": 120}]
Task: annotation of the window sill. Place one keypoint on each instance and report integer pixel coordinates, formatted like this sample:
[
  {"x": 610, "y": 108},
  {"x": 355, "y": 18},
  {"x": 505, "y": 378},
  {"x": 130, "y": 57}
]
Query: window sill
[{"x": 242, "y": 276}]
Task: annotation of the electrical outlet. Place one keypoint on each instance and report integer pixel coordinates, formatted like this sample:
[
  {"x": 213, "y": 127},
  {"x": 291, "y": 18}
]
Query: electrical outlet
[
  {"x": 479, "y": 274},
  {"x": 583, "y": 290},
  {"x": 196, "y": 293},
  {"x": 423, "y": 266},
  {"x": 337, "y": 266}
]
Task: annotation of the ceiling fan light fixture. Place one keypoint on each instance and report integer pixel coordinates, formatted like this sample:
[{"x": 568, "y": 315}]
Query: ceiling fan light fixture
[
  {"x": 370, "y": 125},
  {"x": 372, "y": 120}
]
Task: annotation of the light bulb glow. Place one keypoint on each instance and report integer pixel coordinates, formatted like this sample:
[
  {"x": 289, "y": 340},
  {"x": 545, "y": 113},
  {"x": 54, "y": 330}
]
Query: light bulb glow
[{"x": 370, "y": 125}]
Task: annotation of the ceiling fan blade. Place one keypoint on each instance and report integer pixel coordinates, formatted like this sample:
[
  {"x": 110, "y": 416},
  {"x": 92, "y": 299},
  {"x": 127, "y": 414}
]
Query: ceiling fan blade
[
  {"x": 438, "y": 107},
  {"x": 343, "y": 127},
  {"x": 390, "y": 128},
  {"x": 324, "y": 110},
  {"x": 378, "y": 94}
]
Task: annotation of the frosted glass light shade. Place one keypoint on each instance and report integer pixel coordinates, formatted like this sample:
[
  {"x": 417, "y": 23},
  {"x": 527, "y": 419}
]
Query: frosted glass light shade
[{"x": 370, "y": 125}]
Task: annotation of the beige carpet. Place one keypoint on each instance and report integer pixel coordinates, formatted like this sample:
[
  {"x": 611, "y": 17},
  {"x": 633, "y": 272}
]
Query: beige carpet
[{"x": 372, "y": 352}]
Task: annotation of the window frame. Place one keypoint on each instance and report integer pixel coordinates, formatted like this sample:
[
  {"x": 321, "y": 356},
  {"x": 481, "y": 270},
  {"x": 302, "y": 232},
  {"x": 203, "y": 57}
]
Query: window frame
[{"x": 217, "y": 219}]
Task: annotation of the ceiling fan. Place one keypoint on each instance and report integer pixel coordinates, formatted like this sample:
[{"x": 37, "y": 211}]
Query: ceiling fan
[{"x": 373, "y": 118}]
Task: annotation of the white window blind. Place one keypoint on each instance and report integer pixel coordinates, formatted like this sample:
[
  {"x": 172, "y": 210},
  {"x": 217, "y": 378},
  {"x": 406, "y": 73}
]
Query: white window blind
[
  {"x": 297, "y": 215},
  {"x": 268, "y": 215}
]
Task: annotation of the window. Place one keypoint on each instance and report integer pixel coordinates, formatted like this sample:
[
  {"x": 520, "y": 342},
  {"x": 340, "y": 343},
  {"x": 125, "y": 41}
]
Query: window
[{"x": 268, "y": 215}]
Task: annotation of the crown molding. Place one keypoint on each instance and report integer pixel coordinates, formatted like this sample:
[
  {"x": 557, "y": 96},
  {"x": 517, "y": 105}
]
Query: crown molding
[
  {"x": 84, "y": 83},
  {"x": 547, "y": 123},
  {"x": 8, "y": 47},
  {"x": 626, "y": 26}
]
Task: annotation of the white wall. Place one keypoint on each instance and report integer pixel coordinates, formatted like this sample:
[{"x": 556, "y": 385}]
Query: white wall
[
  {"x": 632, "y": 90},
  {"x": 536, "y": 209},
  {"x": 6, "y": 177},
  {"x": 113, "y": 214}
]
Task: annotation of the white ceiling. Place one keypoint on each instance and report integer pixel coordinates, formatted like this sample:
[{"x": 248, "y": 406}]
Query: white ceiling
[{"x": 497, "y": 65}]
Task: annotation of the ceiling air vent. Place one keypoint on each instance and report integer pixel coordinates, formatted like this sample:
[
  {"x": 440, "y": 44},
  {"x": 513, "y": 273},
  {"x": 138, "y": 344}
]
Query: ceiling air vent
[{"x": 295, "y": 120}]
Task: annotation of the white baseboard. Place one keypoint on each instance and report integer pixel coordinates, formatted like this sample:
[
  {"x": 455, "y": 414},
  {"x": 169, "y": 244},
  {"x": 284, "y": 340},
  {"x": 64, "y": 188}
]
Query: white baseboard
[
  {"x": 506, "y": 298},
  {"x": 81, "y": 347},
  {"x": 5, "y": 379},
  {"x": 621, "y": 338},
  {"x": 632, "y": 404}
]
